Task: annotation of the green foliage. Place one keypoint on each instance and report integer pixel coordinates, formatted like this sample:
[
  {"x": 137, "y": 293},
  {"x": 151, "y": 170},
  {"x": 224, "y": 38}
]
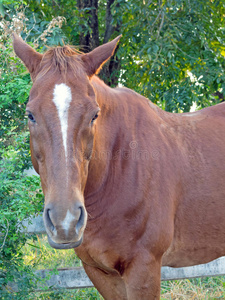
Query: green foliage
[
  {"x": 43, "y": 10},
  {"x": 14, "y": 92},
  {"x": 173, "y": 51},
  {"x": 20, "y": 197},
  {"x": 46, "y": 257},
  {"x": 80, "y": 294}
]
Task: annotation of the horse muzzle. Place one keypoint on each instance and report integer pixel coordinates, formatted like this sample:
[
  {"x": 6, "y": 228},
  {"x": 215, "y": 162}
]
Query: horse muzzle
[{"x": 65, "y": 227}]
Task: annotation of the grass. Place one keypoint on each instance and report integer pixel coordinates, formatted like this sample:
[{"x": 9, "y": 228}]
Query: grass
[
  {"x": 194, "y": 289},
  {"x": 42, "y": 256}
]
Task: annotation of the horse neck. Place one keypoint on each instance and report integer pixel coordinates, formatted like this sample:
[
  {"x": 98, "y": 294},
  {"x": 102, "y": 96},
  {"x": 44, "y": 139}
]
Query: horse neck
[
  {"x": 106, "y": 136},
  {"x": 116, "y": 129}
]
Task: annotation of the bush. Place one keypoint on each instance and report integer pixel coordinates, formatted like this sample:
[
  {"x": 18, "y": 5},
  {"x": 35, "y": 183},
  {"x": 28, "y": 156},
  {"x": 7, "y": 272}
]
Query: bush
[
  {"x": 14, "y": 93},
  {"x": 20, "y": 195}
]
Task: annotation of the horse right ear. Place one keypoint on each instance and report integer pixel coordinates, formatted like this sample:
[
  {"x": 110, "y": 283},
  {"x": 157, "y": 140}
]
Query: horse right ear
[{"x": 27, "y": 54}]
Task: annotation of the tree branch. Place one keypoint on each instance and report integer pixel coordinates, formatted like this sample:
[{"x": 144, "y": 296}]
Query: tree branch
[
  {"x": 7, "y": 230},
  {"x": 89, "y": 40}
]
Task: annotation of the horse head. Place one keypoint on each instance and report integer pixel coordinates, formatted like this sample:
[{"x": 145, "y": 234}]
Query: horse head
[{"x": 62, "y": 112}]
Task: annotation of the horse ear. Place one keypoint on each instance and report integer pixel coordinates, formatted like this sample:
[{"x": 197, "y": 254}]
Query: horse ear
[
  {"x": 27, "y": 54},
  {"x": 94, "y": 60}
]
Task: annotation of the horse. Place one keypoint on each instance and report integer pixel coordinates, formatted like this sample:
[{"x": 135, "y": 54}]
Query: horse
[{"x": 129, "y": 186}]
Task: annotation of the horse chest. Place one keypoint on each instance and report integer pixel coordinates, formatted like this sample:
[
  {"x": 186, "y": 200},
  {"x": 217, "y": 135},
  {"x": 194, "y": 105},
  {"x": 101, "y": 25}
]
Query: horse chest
[{"x": 99, "y": 254}]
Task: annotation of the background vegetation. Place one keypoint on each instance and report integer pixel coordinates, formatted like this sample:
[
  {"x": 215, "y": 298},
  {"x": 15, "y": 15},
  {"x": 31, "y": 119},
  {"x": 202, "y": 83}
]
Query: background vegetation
[{"x": 172, "y": 51}]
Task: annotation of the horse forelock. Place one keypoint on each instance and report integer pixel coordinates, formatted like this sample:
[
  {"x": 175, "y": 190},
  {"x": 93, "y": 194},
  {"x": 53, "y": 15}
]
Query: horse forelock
[{"x": 61, "y": 60}]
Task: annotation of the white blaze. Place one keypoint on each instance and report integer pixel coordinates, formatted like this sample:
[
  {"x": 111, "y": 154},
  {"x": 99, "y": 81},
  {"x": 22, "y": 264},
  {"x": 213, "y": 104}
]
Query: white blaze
[
  {"x": 62, "y": 97},
  {"x": 67, "y": 221}
]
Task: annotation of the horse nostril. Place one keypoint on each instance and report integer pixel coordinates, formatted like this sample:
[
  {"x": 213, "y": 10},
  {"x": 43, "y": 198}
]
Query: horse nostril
[
  {"x": 81, "y": 220},
  {"x": 49, "y": 223}
]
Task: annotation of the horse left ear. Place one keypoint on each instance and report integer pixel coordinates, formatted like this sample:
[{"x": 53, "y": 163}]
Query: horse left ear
[
  {"x": 94, "y": 60},
  {"x": 27, "y": 54}
]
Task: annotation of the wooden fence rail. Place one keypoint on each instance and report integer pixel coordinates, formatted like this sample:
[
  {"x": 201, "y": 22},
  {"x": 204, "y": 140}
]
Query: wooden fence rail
[{"x": 73, "y": 278}]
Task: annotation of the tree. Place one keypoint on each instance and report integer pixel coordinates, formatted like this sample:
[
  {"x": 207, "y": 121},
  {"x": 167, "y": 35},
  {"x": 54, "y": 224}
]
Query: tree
[
  {"x": 175, "y": 51},
  {"x": 171, "y": 51},
  {"x": 89, "y": 24}
]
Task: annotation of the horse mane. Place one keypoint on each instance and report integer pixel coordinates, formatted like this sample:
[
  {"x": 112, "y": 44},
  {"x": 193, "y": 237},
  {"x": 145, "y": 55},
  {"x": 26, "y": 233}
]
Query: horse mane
[{"x": 61, "y": 59}]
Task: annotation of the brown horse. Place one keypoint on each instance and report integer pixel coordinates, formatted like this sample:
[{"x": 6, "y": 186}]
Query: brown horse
[{"x": 133, "y": 186}]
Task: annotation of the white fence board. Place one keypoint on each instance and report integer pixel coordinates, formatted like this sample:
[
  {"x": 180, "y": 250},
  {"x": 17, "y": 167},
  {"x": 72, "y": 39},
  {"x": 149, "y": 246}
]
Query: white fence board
[
  {"x": 213, "y": 268},
  {"x": 33, "y": 225},
  {"x": 75, "y": 278}
]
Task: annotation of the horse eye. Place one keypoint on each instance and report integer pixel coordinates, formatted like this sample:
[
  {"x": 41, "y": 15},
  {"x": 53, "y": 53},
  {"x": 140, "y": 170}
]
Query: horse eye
[
  {"x": 31, "y": 117},
  {"x": 95, "y": 117}
]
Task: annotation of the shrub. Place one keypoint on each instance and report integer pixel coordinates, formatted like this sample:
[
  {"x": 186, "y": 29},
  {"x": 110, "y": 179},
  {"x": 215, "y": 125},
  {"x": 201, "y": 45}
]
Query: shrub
[{"x": 20, "y": 195}]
